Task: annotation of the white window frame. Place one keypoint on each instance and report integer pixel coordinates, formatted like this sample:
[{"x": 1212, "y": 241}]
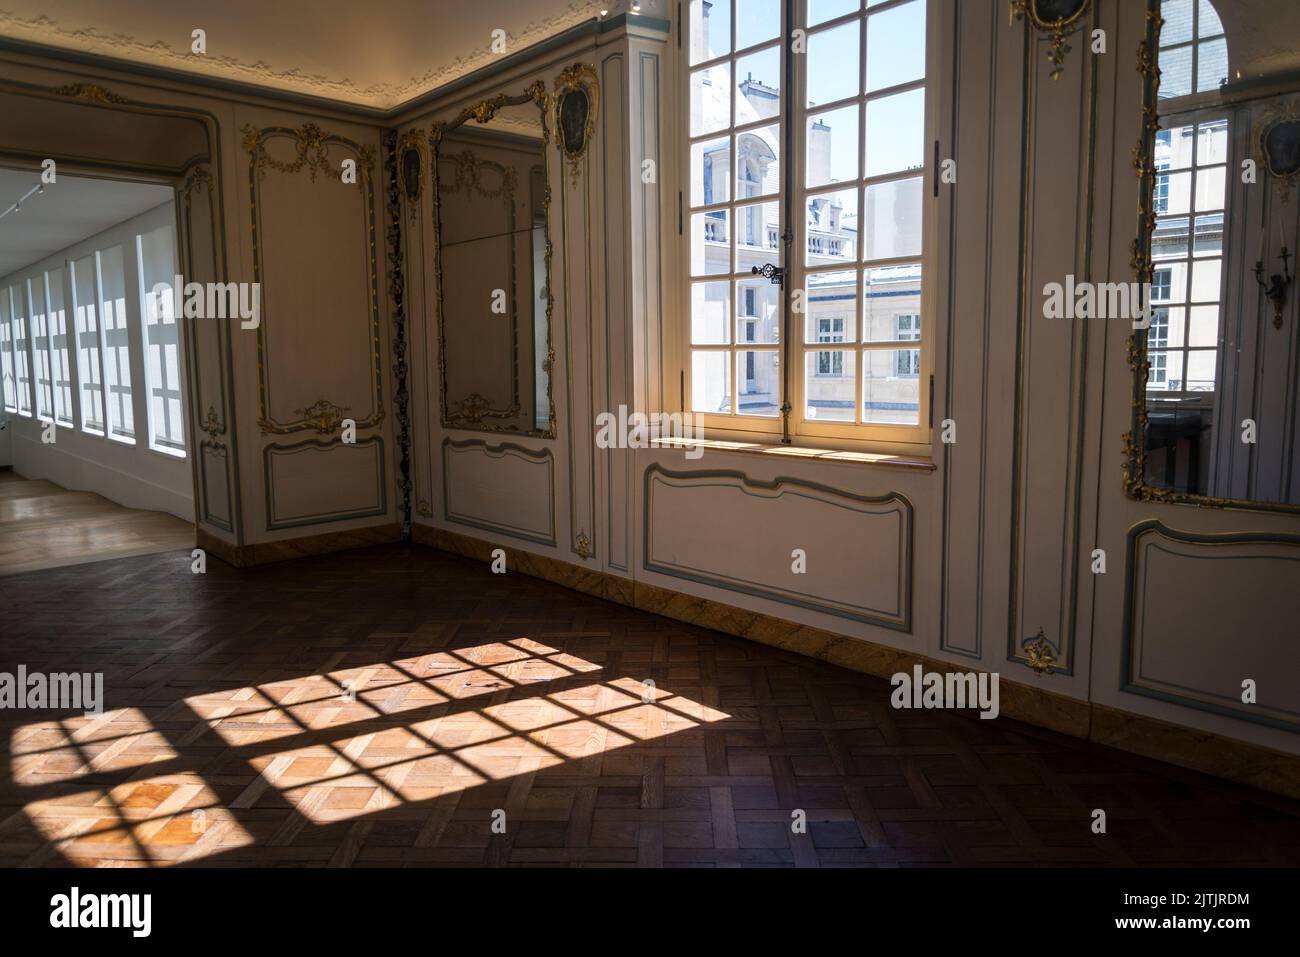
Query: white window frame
[
  {"x": 8, "y": 365},
  {"x": 857, "y": 436}
]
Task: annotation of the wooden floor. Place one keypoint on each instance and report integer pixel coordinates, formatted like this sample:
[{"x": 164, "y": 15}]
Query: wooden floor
[
  {"x": 43, "y": 525},
  {"x": 389, "y": 706}
]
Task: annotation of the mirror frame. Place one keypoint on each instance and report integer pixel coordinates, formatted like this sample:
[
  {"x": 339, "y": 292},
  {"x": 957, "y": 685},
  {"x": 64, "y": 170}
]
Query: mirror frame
[
  {"x": 1135, "y": 457},
  {"x": 482, "y": 112}
]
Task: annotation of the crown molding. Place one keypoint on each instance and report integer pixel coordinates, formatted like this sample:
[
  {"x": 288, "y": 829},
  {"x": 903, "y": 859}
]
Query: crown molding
[{"x": 41, "y": 37}]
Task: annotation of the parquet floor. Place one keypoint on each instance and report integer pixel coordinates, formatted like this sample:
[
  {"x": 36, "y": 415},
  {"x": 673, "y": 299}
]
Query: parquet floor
[
  {"x": 43, "y": 525},
  {"x": 389, "y": 706}
]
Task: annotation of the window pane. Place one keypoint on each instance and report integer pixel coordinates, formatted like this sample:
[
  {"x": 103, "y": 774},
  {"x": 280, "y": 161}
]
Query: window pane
[
  {"x": 758, "y": 86},
  {"x": 710, "y": 172},
  {"x": 7, "y": 353},
  {"x": 1203, "y": 326},
  {"x": 1170, "y": 237},
  {"x": 833, "y": 63},
  {"x": 1169, "y": 283},
  {"x": 156, "y": 251},
  {"x": 711, "y": 99},
  {"x": 92, "y": 393},
  {"x": 1177, "y": 15},
  {"x": 758, "y": 168},
  {"x": 711, "y": 382},
  {"x": 888, "y": 292},
  {"x": 59, "y": 361},
  {"x": 758, "y": 311},
  {"x": 1174, "y": 148},
  {"x": 710, "y": 309},
  {"x": 1200, "y": 370},
  {"x": 833, "y": 146},
  {"x": 40, "y": 346},
  {"x": 1175, "y": 331},
  {"x": 1173, "y": 372},
  {"x": 22, "y": 366},
  {"x": 896, "y": 46},
  {"x": 891, "y": 390},
  {"x": 1209, "y": 235},
  {"x": 710, "y": 29},
  {"x": 832, "y": 227},
  {"x": 1211, "y": 65},
  {"x": 710, "y": 243},
  {"x": 819, "y": 11},
  {"x": 758, "y": 378},
  {"x": 117, "y": 359},
  {"x": 757, "y": 21},
  {"x": 1174, "y": 194},
  {"x": 830, "y": 305},
  {"x": 758, "y": 235},
  {"x": 1175, "y": 72},
  {"x": 1211, "y": 143},
  {"x": 1207, "y": 280},
  {"x": 896, "y": 133},
  {"x": 830, "y": 385},
  {"x": 892, "y": 220}
]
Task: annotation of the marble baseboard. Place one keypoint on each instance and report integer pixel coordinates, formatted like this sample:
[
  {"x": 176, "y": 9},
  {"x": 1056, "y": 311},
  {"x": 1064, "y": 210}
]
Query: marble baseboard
[
  {"x": 1238, "y": 761},
  {"x": 264, "y": 553},
  {"x": 1202, "y": 751}
]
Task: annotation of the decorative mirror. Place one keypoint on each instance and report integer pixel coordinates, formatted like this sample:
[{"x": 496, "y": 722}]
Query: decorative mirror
[
  {"x": 1279, "y": 146},
  {"x": 1216, "y": 389},
  {"x": 410, "y": 164},
  {"x": 491, "y": 219},
  {"x": 577, "y": 103}
]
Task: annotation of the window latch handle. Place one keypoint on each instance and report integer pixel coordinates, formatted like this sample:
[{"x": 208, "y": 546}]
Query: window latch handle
[{"x": 775, "y": 273}]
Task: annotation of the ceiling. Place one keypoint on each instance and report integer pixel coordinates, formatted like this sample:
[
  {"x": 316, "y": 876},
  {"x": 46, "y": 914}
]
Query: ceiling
[
  {"x": 374, "y": 55},
  {"x": 70, "y": 210}
]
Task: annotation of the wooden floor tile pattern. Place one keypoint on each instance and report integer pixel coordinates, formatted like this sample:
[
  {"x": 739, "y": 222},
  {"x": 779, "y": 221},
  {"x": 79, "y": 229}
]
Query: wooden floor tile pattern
[
  {"x": 377, "y": 707},
  {"x": 43, "y": 525}
]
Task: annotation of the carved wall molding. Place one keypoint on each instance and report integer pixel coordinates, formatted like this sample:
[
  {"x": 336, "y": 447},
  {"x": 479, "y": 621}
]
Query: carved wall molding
[
  {"x": 380, "y": 95},
  {"x": 311, "y": 148}
]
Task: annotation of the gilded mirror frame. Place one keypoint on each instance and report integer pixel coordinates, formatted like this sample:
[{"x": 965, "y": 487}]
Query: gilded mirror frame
[
  {"x": 1135, "y": 457},
  {"x": 1059, "y": 30},
  {"x": 483, "y": 112},
  {"x": 576, "y": 81}
]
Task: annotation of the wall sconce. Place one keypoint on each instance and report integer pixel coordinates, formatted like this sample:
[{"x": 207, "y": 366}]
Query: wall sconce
[{"x": 1276, "y": 287}]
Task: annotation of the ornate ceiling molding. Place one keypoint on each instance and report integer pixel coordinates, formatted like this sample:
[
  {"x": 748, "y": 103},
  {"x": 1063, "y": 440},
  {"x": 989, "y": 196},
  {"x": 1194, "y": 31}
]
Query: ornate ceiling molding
[{"x": 383, "y": 96}]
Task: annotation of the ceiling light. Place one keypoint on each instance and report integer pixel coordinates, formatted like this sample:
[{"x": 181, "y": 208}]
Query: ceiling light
[{"x": 18, "y": 204}]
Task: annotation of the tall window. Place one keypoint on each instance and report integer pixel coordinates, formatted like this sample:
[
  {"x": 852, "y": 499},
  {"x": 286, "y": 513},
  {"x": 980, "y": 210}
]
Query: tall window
[
  {"x": 854, "y": 128},
  {"x": 60, "y": 367},
  {"x": 7, "y": 353},
  {"x": 156, "y": 257},
  {"x": 116, "y": 343},
  {"x": 22, "y": 343},
  {"x": 1187, "y": 245},
  {"x": 40, "y": 334},
  {"x": 89, "y": 369},
  {"x": 1193, "y": 49},
  {"x": 1187, "y": 252}
]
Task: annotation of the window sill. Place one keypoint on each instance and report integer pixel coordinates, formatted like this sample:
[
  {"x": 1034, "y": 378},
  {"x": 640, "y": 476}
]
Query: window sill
[{"x": 916, "y": 463}]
